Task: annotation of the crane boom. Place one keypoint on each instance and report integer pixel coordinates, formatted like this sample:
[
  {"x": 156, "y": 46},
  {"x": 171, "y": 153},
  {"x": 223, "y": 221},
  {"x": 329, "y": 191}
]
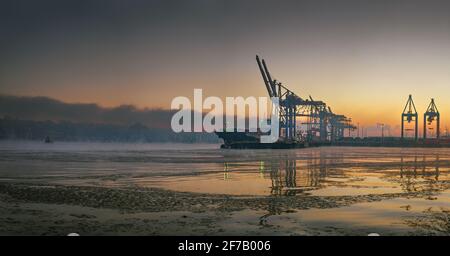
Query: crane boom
[
  {"x": 264, "y": 75},
  {"x": 272, "y": 84}
]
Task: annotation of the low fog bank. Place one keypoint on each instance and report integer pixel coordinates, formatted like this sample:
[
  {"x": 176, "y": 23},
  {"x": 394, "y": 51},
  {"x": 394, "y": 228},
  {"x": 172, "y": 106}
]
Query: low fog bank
[
  {"x": 43, "y": 109},
  {"x": 34, "y": 118}
]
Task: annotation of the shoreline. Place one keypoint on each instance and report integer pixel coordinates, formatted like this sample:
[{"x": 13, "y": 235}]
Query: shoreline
[{"x": 42, "y": 209}]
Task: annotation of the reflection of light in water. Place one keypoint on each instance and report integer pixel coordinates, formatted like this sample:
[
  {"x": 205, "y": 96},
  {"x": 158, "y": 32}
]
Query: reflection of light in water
[
  {"x": 226, "y": 175},
  {"x": 261, "y": 169},
  {"x": 321, "y": 174},
  {"x": 305, "y": 172},
  {"x": 315, "y": 171}
]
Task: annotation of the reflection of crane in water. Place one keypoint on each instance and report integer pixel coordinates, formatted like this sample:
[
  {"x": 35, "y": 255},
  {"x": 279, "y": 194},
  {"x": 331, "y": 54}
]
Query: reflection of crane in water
[
  {"x": 427, "y": 181},
  {"x": 226, "y": 173},
  {"x": 292, "y": 176},
  {"x": 284, "y": 184},
  {"x": 289, "y": 177}
]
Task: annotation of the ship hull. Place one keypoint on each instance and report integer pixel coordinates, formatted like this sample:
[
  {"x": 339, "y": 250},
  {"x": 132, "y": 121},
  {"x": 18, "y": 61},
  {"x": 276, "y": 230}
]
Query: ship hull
[{"x": 246, "y": 140}]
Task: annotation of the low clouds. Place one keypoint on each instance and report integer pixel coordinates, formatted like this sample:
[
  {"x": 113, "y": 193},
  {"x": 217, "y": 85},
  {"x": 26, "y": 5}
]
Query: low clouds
[{"x": 43, "y": 108}]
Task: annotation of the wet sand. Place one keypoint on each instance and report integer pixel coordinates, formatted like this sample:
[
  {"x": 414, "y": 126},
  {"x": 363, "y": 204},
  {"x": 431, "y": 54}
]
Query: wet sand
[
  {"x": 111, "y": 190},
  {"x": 58, "y": 210}
]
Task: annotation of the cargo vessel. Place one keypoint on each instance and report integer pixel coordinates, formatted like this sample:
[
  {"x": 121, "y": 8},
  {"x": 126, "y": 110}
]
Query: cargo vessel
[
  {"x": 248, "y": 140},
  {"x": 303, "y": 122}
]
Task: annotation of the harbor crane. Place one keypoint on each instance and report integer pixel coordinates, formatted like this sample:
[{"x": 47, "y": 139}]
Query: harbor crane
[
  {"x": 431, "y": 115},
  {"x": 410, "y": 115},
  {"x": 322, "y": 124}
]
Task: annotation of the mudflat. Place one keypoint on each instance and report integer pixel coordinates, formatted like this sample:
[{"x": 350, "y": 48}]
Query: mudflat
[{"x": 152, "y": 189}]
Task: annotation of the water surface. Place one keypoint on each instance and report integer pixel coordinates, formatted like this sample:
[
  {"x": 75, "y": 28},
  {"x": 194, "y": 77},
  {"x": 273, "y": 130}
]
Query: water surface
[{"x": 205, "y": 168}]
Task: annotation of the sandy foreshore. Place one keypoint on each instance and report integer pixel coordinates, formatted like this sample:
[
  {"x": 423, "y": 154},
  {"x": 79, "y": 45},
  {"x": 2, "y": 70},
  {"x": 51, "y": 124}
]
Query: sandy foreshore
[{"x": 37, "y": 209}]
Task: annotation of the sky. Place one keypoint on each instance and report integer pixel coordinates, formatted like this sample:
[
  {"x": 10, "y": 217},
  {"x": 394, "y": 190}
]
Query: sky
[{"x": 363, "y": 58}]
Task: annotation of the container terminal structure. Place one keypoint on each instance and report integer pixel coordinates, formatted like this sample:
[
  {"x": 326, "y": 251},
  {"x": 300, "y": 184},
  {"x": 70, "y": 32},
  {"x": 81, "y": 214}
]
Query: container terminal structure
[
  {"x": 431, "y": 132},
  {"x": 305, "y": 122}
]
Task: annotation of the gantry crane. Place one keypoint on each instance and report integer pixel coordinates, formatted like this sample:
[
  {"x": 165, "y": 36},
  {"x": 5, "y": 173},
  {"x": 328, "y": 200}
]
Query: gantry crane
[
  {"x": 430, "y": 115},
  {"x": 410, "y": 115},
  {"x": 330, "y": 126}
]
